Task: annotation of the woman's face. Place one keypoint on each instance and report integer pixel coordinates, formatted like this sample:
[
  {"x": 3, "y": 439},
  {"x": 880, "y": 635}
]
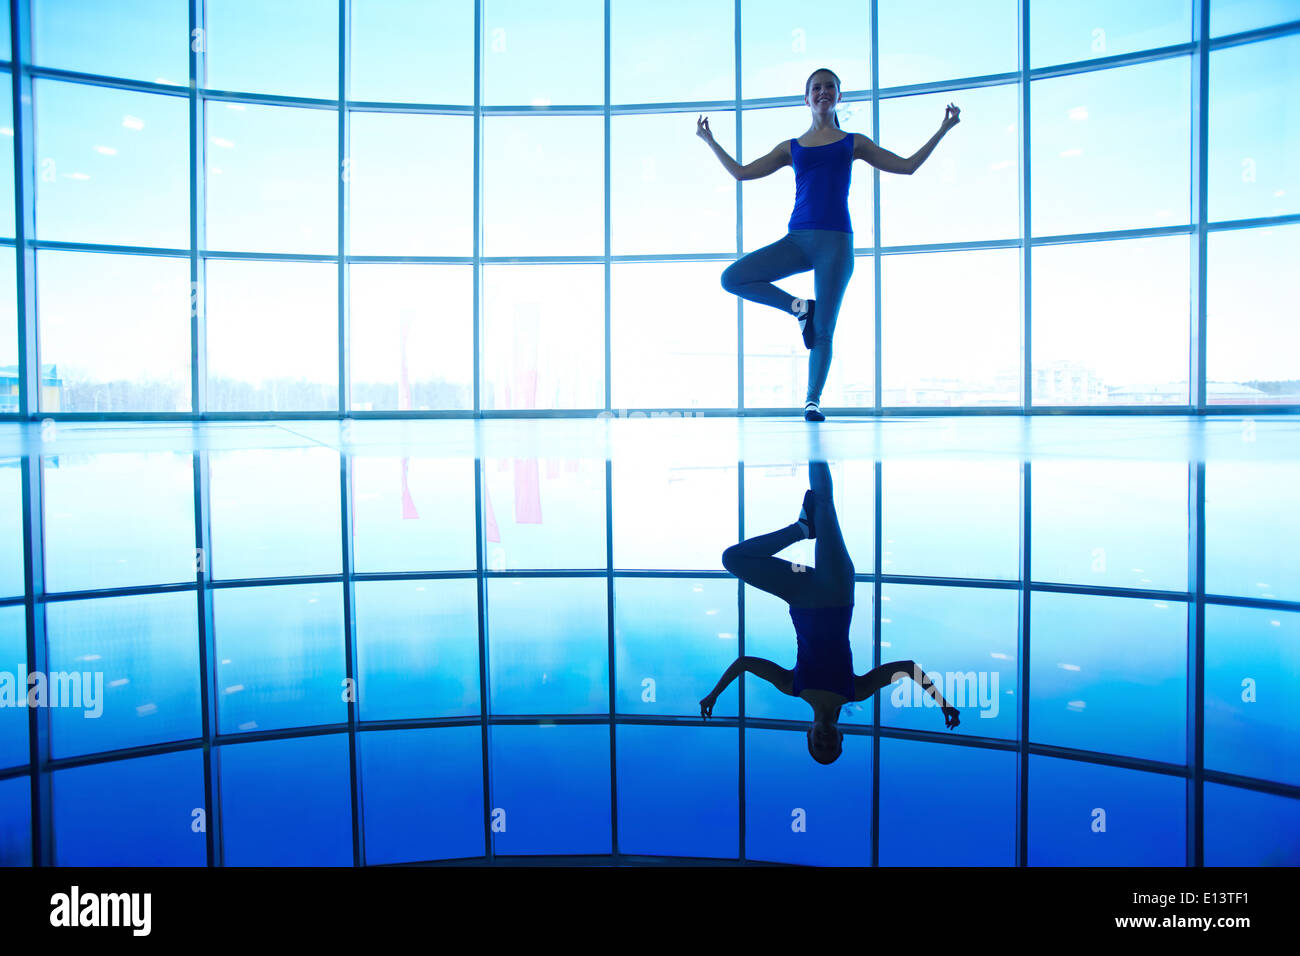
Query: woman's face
[{"x": 822, "y": 94}]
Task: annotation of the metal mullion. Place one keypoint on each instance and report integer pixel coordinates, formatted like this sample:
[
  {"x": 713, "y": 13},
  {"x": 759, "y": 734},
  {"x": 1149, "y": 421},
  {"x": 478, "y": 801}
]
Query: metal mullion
[
  {"x": 877, "y": 402},
  {"x": 477, "y": 203},
  {"x": 1022, "y": 666},
  {"x": 38, "y": 720},
  {"x": 610, "y": 650},
  {"x": 1026, "y": 221},
  {"x": 876, "y": 584},
  {"x": 606, "y": 260},
  {"x": 1195, "y": 714},
  {"x": 1200, "y": 106},
  {"x": 198, "y": 213},
  {"x": 739, "y": 199},
  {"x": 205, "y": 598},
  {"x": 342, "y": 171},
  {"x": 740, "y": 631},
  {"x": 24, "y": 109}
]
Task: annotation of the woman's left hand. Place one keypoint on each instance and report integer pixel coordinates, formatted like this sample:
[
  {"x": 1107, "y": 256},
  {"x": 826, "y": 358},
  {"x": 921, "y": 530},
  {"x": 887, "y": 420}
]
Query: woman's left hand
[{"x": 951, "y": 116}]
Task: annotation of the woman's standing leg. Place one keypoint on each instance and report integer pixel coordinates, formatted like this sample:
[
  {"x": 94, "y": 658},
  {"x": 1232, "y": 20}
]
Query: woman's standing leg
[
  {"x": 751, "y": 276},
  {"x": 832, "y": 255},
  {"x": 832, "y": 575}
]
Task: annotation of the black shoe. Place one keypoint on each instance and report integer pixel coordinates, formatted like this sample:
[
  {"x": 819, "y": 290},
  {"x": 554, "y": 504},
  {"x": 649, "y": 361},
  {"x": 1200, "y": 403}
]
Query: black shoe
[
  {"x": 808, "y": 324},
  {"x": 806, "y": 514},
  {"x": 811, "y": 413}
]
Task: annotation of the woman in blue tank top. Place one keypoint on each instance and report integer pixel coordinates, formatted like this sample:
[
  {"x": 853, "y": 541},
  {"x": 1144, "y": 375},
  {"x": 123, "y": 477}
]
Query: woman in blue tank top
[
  {"x": 819, "y": 234},
  {"x": 821, "y": 606}
]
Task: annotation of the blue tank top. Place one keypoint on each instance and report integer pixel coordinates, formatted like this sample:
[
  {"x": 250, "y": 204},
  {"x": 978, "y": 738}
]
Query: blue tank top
[
  {"x": 825, "y": 660},
  {"x": 821, "y": 185}
]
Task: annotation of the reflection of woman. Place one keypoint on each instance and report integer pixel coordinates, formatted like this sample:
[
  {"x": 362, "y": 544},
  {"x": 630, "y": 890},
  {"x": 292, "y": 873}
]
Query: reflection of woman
[
  {"x": 820, "y": 234},
  {"x": 821, "y": 605}
]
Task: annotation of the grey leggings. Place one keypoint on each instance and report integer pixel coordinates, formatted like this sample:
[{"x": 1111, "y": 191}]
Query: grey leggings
[
  {"x": 829, "y": 584},
  {"x": 829, "y": 253}
]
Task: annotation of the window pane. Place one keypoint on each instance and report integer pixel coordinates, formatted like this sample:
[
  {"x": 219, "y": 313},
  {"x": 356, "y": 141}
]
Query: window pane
[
  {"x": 272, "y": 336},
  {"x": 549, "y": 645},
  {"x": 137, "y": 658},
  {"x": 550, "y": 787},
  {"x": 969, "y": 187},
  {"x": 966, "y": 640},
  {"x": 689, "y": 812},
  {"x": 1252, "y": 351},
  {"x": 131, "y": 812},
  {"x": 1110, "y": 149},
  {"x": 1110, "y": 523},
  {"x": 290, "y": 47},
  {"x": 117, "y": 331},
  {"x": 800, "y": 811},
  {"x": 112, "y": 165},
  {"x": 11, "y": 528},
  {"x": 271, "y": 180},
  {"x": 543, "y": 185},
  {"x": 140, "y": 39},
  {"x": 413, "y": 514},
  {"x": 286, "y": 802},
  {"x": 14, "y": 750},
  {"x": 280, "y": 657},
  {"x": 275, "y": 512},
  {"x": 951, "y": 519},
  {"x": 145, "y": 537},
  {"x": 950, "y": 328},
  {"x": 782, "y": 46},
  {"x": 673, "y": 336},
  {"x": 1111, "y": 322},
  {"x": 768, "y": 203},
  {"x": 543, "y": 336},
  {"x": 16, "y": 822},
  {"x": 1144, "y": 815},
  {"x": 1254, "y": 162},
  {"x": 412, "y": 336},
  {"x": 648, "y": 46},
  {"x": 1109, "y": 674},
  {"x": 1252, "y": 683},
  {"x": 916, "y": 796},
  {"x": 673, "y": 639},
  {"x": 1242, "y": 828},
  {"x": 666, "y": 196},
  {"x": 544, "y": 513},
  {"x": 417, "y": 649},
  {"x": 924, "y": 41},
  {"x": 1252, "y": 521},
  {"x": 394, "y": 41},
  {"x": 673, "y": 517},
  {"x": 7, "y": 193},
  {"x": 1075, "y": 30},
  {"x": 1234, "y": 16},
  {"x": 411, "y": 185},
  {"x": 423, "y": 794},
  {"x": 543, "y": 55}
]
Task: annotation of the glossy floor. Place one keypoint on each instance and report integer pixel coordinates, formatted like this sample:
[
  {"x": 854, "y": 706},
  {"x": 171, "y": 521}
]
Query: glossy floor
[{"x": 404, "y": 641}]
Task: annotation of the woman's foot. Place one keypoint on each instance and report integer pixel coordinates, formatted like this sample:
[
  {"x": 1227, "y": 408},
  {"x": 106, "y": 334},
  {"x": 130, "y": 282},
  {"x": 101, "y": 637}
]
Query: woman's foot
[
  {"x": 812, "y": 413},
  {"x": 806, "y": 520},
  {"x": 803, "y": 311},
  {"x": 951, "y": 717}
]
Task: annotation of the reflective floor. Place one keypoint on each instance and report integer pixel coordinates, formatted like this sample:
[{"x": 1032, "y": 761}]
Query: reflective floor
[{"x": 398, "y": 642}]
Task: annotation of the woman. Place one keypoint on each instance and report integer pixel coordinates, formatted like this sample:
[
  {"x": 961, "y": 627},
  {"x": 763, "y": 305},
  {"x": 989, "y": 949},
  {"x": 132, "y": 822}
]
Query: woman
[
  {"x": 820, "y": 234},
  {"x": 821, "y": 606}
]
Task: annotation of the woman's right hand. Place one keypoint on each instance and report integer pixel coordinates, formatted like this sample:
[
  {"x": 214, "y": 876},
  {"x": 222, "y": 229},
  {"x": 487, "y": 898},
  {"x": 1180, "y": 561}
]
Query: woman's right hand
[
  {"x": 706, "y": 706},
  {"x": 702, "y": 129}
]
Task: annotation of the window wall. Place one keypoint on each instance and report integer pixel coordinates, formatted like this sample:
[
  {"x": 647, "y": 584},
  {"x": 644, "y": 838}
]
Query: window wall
[{"x": 391, "y": 207}]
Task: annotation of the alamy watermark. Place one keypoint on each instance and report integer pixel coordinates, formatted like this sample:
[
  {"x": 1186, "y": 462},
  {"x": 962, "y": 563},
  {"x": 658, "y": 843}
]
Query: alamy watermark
[
  {"x": 81, "y": 690},
  {"x": 977, "y": 690}
]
